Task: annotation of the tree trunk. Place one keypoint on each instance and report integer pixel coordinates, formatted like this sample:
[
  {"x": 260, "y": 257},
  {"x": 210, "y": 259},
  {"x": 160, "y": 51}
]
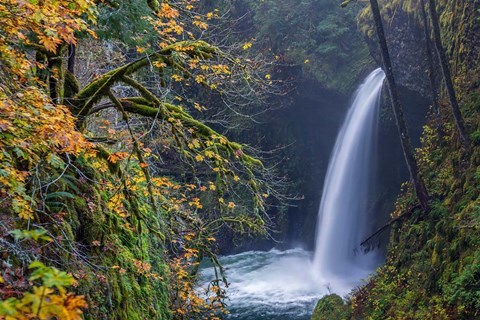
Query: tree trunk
[
  {"x": 447, "y": 76},
  {"x": 418, "y": 183},
  {"x": 71, "y": 58},
  {"x": 431, "y": 70},
  {"x": 71, "y": 86},
  {"x": 52, "y": 81}
]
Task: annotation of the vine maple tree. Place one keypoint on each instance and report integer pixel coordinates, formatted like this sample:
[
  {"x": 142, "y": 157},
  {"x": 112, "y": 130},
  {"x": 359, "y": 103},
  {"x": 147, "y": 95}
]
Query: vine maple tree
[{"x": 49, "y": 137}]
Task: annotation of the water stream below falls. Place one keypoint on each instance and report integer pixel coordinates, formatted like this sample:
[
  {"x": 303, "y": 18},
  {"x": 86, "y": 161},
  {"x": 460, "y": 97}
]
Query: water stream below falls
[
  {"x": 287, "y": 284},
  {"x": 270, "y": 285}
]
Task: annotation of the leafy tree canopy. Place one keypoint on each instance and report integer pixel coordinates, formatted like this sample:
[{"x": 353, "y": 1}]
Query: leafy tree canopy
[{"x": 107, "y": 154}]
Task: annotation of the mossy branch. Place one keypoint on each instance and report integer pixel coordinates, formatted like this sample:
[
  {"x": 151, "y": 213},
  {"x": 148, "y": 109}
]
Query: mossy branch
[
  {"x": 166, "y": 110},
  {"x": 71, "y": 86},
  {"x": 86, "y": 98}
]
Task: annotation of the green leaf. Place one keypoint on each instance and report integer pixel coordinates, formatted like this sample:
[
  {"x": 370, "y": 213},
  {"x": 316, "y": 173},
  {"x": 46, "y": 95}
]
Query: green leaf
[
  {"x": 71, "y": 181},
  {"x": 4, "y": 173},
  {"x": 8, "y": 307},
  {"x": 59, "y": 194},
  {"x": 36, "y": 264},
  {"x": 51, "y": 277},
  {"x": 55, "y": 161},
  {"x": 36, "y": 234},
  {"x": 57, "y": 278},
  {"x": 19, "y": 152}
]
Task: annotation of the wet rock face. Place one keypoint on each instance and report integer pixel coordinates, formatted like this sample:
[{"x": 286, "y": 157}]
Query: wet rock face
[
  {"x": 406, "y": 44},
  {"x": 408, "y": 54}
]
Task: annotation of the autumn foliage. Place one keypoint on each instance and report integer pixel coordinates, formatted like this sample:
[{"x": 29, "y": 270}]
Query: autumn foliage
[{"x": 81, "y": 182}]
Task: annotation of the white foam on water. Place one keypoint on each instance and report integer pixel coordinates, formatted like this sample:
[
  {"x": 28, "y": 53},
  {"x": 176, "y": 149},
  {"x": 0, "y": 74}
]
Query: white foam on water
[{"x": 270, "y": 284}]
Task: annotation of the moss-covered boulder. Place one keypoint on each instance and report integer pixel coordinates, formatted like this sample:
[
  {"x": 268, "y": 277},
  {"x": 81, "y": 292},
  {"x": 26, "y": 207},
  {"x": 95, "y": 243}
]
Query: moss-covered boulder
[{"x": 331, "y": 307}]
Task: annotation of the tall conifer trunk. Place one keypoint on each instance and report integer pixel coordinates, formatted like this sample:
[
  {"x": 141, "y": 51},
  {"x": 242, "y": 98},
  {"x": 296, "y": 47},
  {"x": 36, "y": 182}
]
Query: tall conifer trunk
[
  {"x": 431, "y": 69},
  {"x": 407, "y": 148},
  {"x": 457, "y": 115}
]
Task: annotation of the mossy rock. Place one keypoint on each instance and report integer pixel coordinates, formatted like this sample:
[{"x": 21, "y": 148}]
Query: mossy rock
[{"x": 331, "y": 307}]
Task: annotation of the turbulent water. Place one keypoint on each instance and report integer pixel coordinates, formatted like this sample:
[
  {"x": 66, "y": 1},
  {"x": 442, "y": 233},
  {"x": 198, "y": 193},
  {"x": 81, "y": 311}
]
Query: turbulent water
[
  {"x": 270, "y": 285},
  {"x": 287, "y": 284}
]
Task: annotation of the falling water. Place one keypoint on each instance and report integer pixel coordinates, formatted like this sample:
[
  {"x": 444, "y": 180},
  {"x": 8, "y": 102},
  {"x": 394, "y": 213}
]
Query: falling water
[
  {"x": 287, "y": 284},
  {"x": 343, "y": 214}
]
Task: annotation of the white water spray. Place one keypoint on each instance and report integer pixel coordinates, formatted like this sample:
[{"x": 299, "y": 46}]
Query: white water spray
[{"x": 342, "y": 218}]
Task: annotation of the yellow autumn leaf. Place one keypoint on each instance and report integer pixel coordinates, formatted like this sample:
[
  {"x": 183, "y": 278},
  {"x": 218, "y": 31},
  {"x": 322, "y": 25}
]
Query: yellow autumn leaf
[
  {"x": 247, "y": 46},
  {"x": 176, "y": 77},
  {"x": 159, "y": 64}
]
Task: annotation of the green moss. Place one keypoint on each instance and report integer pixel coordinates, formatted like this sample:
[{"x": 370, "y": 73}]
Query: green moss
[
  {"x": 331, "y": 307},
  {"x": 100, "y": 252}
]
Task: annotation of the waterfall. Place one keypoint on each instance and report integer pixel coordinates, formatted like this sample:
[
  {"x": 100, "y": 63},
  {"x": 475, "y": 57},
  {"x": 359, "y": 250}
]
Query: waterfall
[
  {"x": 343, "y": 216},
  {"x": 287, "y": 284}
]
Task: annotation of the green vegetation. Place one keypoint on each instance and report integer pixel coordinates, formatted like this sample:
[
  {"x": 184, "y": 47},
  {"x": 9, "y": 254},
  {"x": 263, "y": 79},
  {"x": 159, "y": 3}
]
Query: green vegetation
[
  {"x": 104, "y": 174},
  {"x": 331, "y": 306},
  {"x": 432, "y": 263},
  {"x": 113, "y": 189},
  {"x": 317, "y": 36}
]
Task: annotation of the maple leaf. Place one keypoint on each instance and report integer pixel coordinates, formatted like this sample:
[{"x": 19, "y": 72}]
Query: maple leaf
[
  {"x": 116, "y": 156},
  {"x": 50, "y": 43}
]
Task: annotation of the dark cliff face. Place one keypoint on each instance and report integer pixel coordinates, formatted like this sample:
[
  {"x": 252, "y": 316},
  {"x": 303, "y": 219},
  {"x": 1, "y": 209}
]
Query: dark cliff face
[
  {"x": 303, "y": 133},
  {"x": 460, "y": 26},
  {"x": 406, "y": 44}
]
